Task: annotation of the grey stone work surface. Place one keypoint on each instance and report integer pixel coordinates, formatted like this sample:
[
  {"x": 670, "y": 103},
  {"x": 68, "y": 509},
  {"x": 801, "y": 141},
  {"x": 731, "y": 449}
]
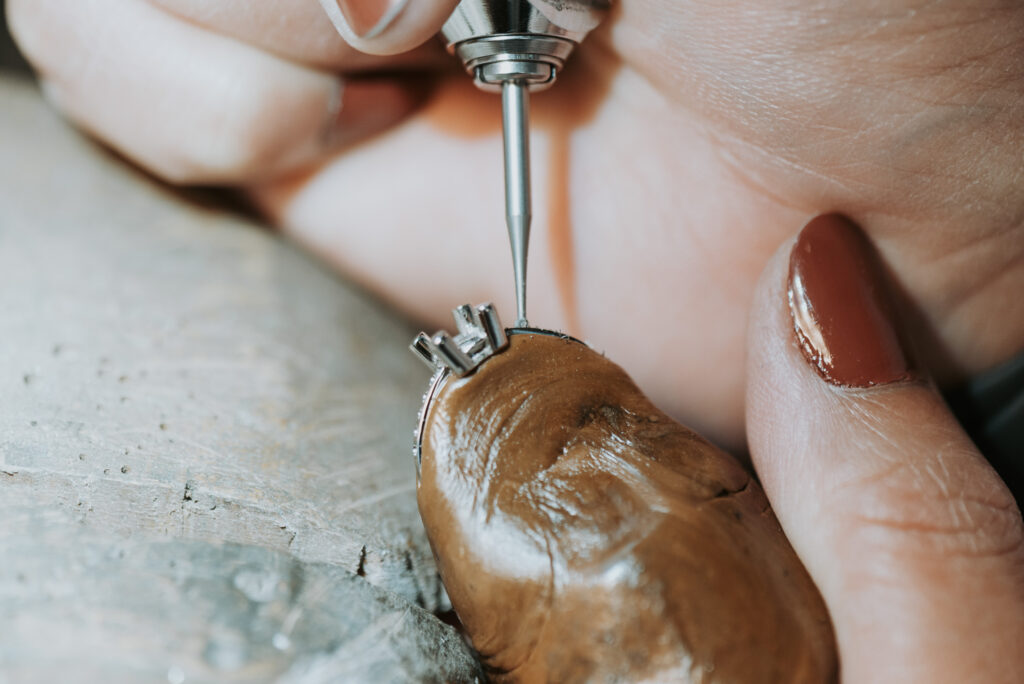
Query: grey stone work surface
[{"x": 205, "y": 469}]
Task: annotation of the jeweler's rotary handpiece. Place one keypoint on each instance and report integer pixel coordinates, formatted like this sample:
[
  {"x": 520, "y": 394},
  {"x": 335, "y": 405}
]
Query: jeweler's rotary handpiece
[{"x": 515, "y": 46}]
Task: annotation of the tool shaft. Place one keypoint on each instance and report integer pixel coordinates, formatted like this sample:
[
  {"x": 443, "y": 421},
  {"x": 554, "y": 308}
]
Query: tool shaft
[{"x": 515, "y": 103}]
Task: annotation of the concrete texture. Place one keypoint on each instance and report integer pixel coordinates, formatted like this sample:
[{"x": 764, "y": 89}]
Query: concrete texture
[
  {"x": 78, "y": 605},
  {"x": 186, "y": 396}
]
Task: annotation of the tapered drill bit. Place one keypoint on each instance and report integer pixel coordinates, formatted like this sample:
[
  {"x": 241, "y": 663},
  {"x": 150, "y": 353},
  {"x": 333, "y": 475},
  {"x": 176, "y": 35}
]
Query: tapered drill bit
[{"x": 515, "y": 105}]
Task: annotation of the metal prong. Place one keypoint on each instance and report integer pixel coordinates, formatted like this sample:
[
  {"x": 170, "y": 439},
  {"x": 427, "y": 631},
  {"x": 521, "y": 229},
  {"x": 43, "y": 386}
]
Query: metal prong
[
  {"x": 451, "y": 355},
  {"x": 463, "y": 316},
  {"x": 515, "y": 106},
  {"x": 487, "y": 318},
  {"x": 425, "y": 350}
]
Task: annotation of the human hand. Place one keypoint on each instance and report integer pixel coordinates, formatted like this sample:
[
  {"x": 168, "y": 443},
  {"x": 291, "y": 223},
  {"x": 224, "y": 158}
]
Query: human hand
[
  {"x": 582, "y": 535},
  {"x": 228, "y": 93},
  {"x": 682, "y": 144},
  {"x": 915, "y": 543}
]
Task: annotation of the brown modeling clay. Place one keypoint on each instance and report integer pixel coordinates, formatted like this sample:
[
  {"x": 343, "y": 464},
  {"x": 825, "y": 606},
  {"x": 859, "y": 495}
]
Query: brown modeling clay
[{"x": 585, "y": 536}]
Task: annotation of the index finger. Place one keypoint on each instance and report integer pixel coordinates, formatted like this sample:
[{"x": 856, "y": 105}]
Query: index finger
[
  {"x": 296, "y": 30},
  {"x": 388, "y": 27}
]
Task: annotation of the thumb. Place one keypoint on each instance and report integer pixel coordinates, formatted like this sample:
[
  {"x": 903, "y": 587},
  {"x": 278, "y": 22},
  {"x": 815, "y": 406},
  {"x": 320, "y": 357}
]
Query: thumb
[
  {"x": 916, "y": 544},
  {"x": 388, "y": 27}
]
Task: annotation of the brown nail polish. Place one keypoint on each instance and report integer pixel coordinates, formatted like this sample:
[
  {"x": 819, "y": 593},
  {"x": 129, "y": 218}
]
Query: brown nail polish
[
  {"x": 842, "y": 313},
  {"x": 369, "y": 18}
]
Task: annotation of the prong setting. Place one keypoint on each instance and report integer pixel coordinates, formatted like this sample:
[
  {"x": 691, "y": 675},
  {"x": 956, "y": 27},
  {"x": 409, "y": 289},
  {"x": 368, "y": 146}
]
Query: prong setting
[{"x": 480, "y": 336}]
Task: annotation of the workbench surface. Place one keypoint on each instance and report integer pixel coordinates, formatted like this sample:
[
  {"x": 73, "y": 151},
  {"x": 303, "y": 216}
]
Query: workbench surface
[{"x": 205, "y": 468}]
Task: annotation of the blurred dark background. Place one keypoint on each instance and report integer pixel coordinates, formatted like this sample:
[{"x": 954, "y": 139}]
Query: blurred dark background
[{"x": 10, "y": 58}]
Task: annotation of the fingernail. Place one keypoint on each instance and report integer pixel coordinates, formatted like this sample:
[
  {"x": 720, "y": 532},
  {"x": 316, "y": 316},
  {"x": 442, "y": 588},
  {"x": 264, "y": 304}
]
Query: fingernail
[
  {"x": 369, "y": 18},
  {"x": 842, "y": 312}
]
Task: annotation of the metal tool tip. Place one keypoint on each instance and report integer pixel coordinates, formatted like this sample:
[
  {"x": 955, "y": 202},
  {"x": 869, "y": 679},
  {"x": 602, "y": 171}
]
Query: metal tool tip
[{"x": 515, "y": 124}]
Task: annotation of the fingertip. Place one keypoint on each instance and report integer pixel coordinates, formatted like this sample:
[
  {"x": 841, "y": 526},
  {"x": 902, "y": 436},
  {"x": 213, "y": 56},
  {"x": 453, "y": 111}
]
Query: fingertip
[
  {"x": 27, "y": 24},
  {"x": 767, "y": 350},
  {"x": 388, "y": 27},
  {"x": 897, "y": 516}
]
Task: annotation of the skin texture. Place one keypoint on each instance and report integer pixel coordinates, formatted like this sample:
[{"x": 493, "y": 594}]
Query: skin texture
[
  {"x": 583, "y": 535},
  {"x": 684, "y": 142},
  {"x": 916, "y": 544}
]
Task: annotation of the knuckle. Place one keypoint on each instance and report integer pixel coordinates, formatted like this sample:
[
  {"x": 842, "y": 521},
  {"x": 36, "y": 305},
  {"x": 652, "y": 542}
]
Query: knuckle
[
  {"x": 254, "y": 129},
  {"x": 942, "y": 506}
]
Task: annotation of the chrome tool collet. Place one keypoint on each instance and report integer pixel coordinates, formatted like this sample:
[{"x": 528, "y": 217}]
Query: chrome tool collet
[{"x": 515, "y": 47}]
